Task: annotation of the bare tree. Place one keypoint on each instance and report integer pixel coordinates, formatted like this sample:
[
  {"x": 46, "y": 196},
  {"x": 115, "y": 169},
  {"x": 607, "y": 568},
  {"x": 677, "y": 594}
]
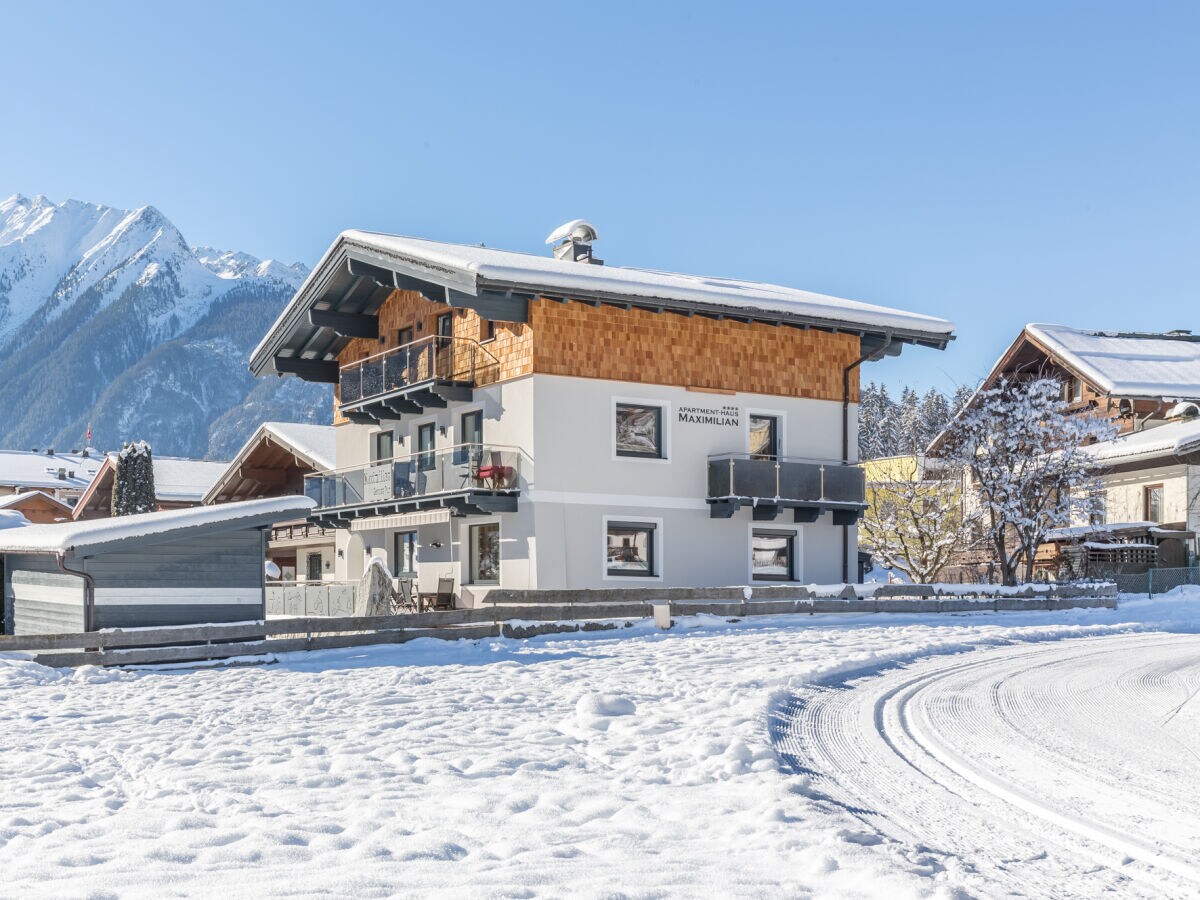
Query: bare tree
[
  {"x": 915, "y": 520},
  {"x": 1029, "y": 470}
]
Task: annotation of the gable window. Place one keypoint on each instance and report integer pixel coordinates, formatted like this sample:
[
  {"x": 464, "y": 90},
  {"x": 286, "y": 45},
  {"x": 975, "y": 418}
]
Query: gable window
[
  {"x": 772, "y": 556},
  {"x": 631, "y": 549},
  {"x": 764, "y": 437},
  {"x": 406, "y": 553},
  {"x": 381, "y": 446},
  {"x": 485, "y": 553},
  {"x": 1154, "y": 502},
  {"x": 639, "y": 430},
  {"x": 425, "y": 454}
]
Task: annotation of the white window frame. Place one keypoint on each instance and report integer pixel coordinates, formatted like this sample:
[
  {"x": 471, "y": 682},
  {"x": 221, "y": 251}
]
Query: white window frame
[
  {"x": 781, "y": 427},
  {"x": 667, "y": 422},
  {"x": 465, "y": 575},
  {"x": 797, "y": 533},
  {"x": 658, "y": 555}
]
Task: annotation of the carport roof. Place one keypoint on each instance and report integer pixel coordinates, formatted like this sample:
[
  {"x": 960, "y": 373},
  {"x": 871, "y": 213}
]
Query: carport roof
[{"x": 150, "y": 528}]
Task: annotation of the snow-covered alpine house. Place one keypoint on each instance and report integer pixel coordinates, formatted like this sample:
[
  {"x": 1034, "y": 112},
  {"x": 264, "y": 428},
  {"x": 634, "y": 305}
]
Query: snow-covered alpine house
[{"x": 547, "y": 423}]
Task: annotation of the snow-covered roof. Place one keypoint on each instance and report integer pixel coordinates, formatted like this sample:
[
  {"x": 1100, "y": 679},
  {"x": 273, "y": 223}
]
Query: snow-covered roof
[
  {"x": 472, "y": 269},
  {"x": 184, "y": 480},
  {"x": 76, "y": 535},
  {"x": 316, "y": 443},
  {"x": 32, "y": 469},
  {"x": 14, "y": 499},
  {"x": 1125, "y": 364},
  {"x": 1160, "y": 441}
]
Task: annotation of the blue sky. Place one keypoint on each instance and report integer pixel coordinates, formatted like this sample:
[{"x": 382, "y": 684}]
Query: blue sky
[{"x": 990, "y": 163}]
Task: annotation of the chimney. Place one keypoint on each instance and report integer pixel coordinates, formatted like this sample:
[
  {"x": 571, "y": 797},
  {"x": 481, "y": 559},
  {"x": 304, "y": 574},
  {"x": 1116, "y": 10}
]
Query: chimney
[
  {"x": 49, "y": 451},
  {"x": 572, "y": 241}
]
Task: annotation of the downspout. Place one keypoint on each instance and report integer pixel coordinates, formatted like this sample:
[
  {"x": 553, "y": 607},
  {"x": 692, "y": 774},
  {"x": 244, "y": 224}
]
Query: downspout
[
  {"x": 89, "y": 589},
  {"x": 866, "y": 357}
]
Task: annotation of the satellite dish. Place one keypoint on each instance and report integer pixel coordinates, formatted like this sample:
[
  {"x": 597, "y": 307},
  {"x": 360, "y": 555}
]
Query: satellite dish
[{"x": 578, "y": 231}]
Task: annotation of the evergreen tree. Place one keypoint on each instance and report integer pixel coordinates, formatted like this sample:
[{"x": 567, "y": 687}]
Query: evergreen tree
[
  {"x": 869, "y": 415},
  {"x": 133, "y": 491},
  {"x": 909, "y": 427},
  {"x": 935, "y": 416},
  {"x": 961, "y": 395},
  {"x": 888, "y": 419}
]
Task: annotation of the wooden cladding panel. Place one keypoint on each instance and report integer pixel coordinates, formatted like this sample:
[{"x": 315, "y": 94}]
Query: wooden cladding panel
[{"x": 664, "y": 348}]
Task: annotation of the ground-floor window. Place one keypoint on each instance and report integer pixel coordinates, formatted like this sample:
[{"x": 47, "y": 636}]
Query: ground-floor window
[
  {"x": 406, "y": 553},
  {"x": 631, "y": 549},
  {"x": 314, "y": 567},
  {"x": 485, "y": 553},
  {"x": 773, "y": 556}
]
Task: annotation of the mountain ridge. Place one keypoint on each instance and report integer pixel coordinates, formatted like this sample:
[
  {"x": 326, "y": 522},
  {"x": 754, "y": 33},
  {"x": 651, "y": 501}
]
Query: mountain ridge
[{"x": 110, "y": 317}]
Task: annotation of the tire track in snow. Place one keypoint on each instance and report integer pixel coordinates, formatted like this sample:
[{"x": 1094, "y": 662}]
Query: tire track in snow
[{"x": 1037, "y": 768}]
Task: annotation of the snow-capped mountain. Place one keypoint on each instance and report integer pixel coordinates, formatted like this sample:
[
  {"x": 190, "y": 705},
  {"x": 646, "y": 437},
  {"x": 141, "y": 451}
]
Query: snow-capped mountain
[{"x": 109, "y": 317}]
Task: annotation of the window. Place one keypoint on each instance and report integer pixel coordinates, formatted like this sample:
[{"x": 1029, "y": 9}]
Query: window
[
  {"x": 772, "y": 555},
  {"x": 1154, "y": 503},
  {"x": 764, "y": 437},
  {"x": 639, "y": 430},
  {"x": 404, "y": 336},
  {"x": 381, "y": 446},
  {"x": 405, "y": 559},
  {"x": 470, "y": 438},
  {"x": 1072, "y": 389},
  {"x": 631, "y": 549},
  {"x": 314, "y": 566},
  {"x": 485, "y": 553},
  {"x": 487, "y": 330},
  {"x": 425, "y": 458}
]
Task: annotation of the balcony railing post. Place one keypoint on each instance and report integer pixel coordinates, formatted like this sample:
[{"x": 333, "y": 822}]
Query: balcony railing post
[
  {"x": 822, "y": 481},
  {"x": 731, "y": 490},
  {"x": 777, "y": 494}
]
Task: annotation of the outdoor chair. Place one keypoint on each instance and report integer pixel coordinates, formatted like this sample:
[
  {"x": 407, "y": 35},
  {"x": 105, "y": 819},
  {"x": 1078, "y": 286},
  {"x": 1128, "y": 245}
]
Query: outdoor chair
[
  {"x": 404, "y": 602},
  {"x": 442, "y": 599}
]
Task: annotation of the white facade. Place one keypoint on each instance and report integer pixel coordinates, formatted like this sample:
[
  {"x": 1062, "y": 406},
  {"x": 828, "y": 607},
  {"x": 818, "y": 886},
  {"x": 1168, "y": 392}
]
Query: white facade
[{"x": 574, "y": 487}]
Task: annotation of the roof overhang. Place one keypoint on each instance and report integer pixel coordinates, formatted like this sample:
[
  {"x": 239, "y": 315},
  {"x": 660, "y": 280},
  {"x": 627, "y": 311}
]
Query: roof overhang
[{"x": 347, "y": 287}]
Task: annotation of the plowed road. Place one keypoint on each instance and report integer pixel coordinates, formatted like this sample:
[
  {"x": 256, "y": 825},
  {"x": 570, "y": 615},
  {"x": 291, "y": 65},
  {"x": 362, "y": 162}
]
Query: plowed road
[{"x": 1066, "y": 768}]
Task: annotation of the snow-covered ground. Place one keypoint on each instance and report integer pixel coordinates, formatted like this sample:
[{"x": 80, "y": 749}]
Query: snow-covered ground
[{"x": 869, "y": 756}]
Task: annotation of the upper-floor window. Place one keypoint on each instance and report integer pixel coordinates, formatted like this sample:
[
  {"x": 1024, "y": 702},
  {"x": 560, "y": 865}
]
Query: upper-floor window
[
  {"x": 404, "y": 336},
  {"x": 470, "y": 438},
  {"x": 425, "y": 439},
  {"x": 639, "y": 430},
  {"x": 1154, "y": 503},
  {"x": 1072, "y": 389},
  {"x": 381, "y": 446},
  {"x": 764, "y": 437},
  {"x": 487, "y": 330}
]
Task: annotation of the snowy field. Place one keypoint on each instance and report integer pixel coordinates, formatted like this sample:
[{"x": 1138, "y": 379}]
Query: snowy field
[{"x": 952, "y": 756}]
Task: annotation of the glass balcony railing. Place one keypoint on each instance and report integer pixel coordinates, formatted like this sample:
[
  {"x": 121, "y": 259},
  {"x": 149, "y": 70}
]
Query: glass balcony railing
[
  {"x": 460, "y": 469},
  {"x": 448, "y": 360},
  {"x": 787, "y": 479}
]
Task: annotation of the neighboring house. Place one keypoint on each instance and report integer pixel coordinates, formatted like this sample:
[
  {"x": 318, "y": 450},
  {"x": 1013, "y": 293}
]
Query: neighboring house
[
  {"x": 64, "y": 476},
  {"x": 1148, "y": 385},
  {"x": 505, "y": 419},
  {"x": 37, "y": 506},
  {"x": 178, "y": 484},
  {"x": 273, "y": 463},
  {"x": 176, "y": 567}
]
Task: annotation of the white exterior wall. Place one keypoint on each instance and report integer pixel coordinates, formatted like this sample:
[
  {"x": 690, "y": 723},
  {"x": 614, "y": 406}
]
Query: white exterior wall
[
  {"x": 1124, "y": 494},
  {"x": 572, "y": 482}
]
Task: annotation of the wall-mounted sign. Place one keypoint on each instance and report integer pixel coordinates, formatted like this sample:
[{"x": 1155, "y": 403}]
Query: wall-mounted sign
[
  {"x": 729, "y": 416},
  {"x": 377, "y": 483}
]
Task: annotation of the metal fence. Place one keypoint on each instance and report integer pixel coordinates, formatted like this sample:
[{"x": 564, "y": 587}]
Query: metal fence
[{"x": 1157, "y": 581}]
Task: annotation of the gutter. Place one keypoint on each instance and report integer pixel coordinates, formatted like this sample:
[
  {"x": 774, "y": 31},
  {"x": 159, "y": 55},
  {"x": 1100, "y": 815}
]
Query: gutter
[
  {"x": 866, "y": 357},
  {"x": 89, "y": 589}
]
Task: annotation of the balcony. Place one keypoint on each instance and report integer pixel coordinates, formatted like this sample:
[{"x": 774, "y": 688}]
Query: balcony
[
  {"x": 769, "y": 485},
  {"x": 468, "y": 479},
  {"x": 426, "y": 374}
]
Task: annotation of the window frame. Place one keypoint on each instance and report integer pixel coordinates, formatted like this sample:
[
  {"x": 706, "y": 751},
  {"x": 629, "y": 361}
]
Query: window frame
[
  {"x": 664, "y": 431},
  {"x": 654, "y": 548},
  {"x": 426, "y": 458},
  {"x": 1162, "y": 502},
  {"x": 472, "y": 528},
  {"x": 780, "y": 430},
  {"x": 461, "y": 454},
  {"x": 793, "y": 540},
  {"x": 411, "y": 548},
  {"x": 375, "y": 440}
]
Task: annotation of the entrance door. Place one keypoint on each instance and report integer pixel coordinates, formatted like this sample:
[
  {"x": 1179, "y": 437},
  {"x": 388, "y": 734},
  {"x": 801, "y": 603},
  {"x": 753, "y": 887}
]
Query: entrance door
[{"x": 314, "y": 567}]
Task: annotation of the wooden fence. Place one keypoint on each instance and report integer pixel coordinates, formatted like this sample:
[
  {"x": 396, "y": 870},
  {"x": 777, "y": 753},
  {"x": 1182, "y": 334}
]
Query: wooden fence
[{"x": 193, "y": 643}]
